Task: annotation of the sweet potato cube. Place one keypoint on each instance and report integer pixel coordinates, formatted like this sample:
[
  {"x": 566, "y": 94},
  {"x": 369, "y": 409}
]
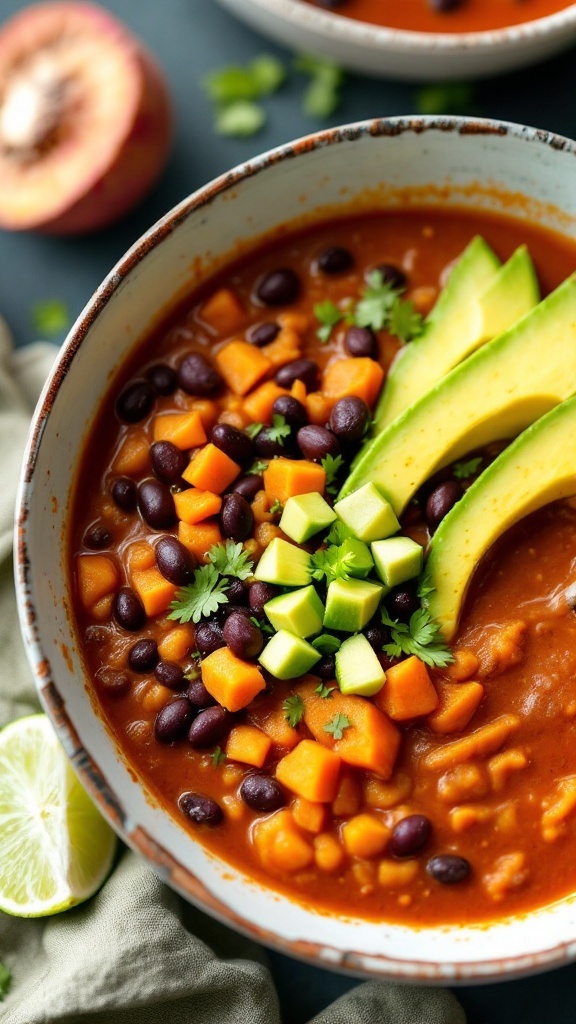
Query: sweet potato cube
[
  {"x": 140, "y": 555},
  {"x": 285, "y": 348},
  {"x": 248, "y": 744},
  {"x": 97, "y": 576},
  {"x": 199, "y": 537},
  {"x": 365, "y": 835},
  {"x": 371, "y": 741},
  {"x": 273, "y": 722},
  {"x": 408, "y": 691},
  {"x": 232, "y": 682},
  {"x": 361, "y": 377},
  {"x": 211, "y": 469},
  {"x": 222, "y": 311},
  {"x": 280, "y": 844},
  {"x": 311, "y": 771},
  {"x": 193, "y": 505},
  {"x": 183, "y": 429},
  {"x": 457, "y": 704},
  {"x": 285, "y": 478},
  {"x": 131, "y": 459},
  {"x": 258, "y": 405},
  {"x": 242, "y": 365},
  {"x": 311, "y": 817},
  {"x": 177, "y": 643},
  {"x": 155, "y": 592}
]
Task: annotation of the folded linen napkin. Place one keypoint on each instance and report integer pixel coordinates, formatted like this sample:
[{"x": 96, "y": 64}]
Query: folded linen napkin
[{"x": 136, "y": 953}]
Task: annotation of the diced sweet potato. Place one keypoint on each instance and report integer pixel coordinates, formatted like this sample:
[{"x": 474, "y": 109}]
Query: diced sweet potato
[
  {"x": 280, "y": 844},
  {"x": 222, "y": 311},
  {"x": 311, "y": 817},
  {"x": 311, "y": 771},
  {"x": 232, "y": 682},
  {"x": 132, "y": 456},
  {"x": 97, "y": 577},
  {"x": 177, "y": 643},
  {"x": 365, "y": 835},
  {"x": 318, "y": 407},
  {"x": 248, "y": 744},
  {"x": 458, "y": 703},
  {"x": 242, "y": 365},
  {"x": 361, "y": 377},
  {"x": 272, "y": 721},
  {"x": 193, "y": 505},
  {"x": 211, "y": 469},
  {"x": 408, "y": 691},
  {"x": 285, "y": 478},
  {"x": 285, "y": 348},
  {"x": 502, "y": 648},
  {"x": 155, "y": 592},
  {"x": 199, "y": 537},
  {"x": 258, "y": 405},
  {"x": 481, "y": 743},
  {"x": 465, "y": 665},
  {"x": 140, "y": 555},
  {"x": 183, "y": 429},
  {"x": 328, "y": 853}
]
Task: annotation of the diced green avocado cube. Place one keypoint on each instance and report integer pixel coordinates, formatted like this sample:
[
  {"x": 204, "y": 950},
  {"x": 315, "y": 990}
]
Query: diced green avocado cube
[
  {"x": 350, "y": 604},
  {"x": 300, "y": 611},
  {"x": 397, "y": 559},
  {"x": 304, "y": 515},
  {"x": 361, "y": 561},
  {"x": 357, "y": 667},
  {"x": 367, "y": 513},
  {"x": 288, "y": 656},
  {"x": 283, "y": 563}
]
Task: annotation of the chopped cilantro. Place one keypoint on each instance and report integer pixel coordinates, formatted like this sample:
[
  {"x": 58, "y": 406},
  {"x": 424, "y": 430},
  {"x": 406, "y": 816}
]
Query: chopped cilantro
[
  {"x": 218, "y": 756},
  {"x": 276, "y": 507},
  {"x": 201, "y": 598},
  {"x": 374, "y": 308},
  {"x": 268, "y": 72},
  {"x": 463, "y": 470},
  {"x": 424, "y": 586},
  {"x": 257, "y": 468},
  {"x": 240, "y": 119},
  {"x": 253, "y": 429},
  {"x": 337, "y": 725},
  {"x": 446, "y": 98},
  {"x": 193, "y": 672},
  {"x": 338, "y": 533},
  {"x": 230, "y": 559},
  {"x": 5, "y": 981},
  {"x": 326, "y": 643},
  {"x": 50, "y": 317},
  {"x": 279, "y": 429},
  {"x": 235, "y": 89},
  {"x": 329, "y": 315},
  {"x": 420, "y": 636},
  {"x": 324, "y": 691},
  {"x": 293, "y": 708},
  {"x": 322, "y": 97},
  {"x": 331, "y": 464},
  {"x": 262, "y": 625},
  {"x": 405, "y": 322},
  {"x": 331, "y": 563}
]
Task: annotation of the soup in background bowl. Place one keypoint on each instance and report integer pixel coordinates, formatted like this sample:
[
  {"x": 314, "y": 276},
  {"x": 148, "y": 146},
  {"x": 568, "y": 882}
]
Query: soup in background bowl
[{"x": 294, "y": 257}]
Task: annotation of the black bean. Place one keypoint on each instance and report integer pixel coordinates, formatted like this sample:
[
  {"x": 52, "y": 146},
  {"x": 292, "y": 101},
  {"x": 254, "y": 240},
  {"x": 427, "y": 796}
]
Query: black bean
[
  {"x": 225, "y": 610},
  {"x": 448, "y": 868},
  {"x": 410, "y": 835},
  {"x": 143, "y": 656},
  {"x": 156, "y": 505},
  {"x": 316, "y": 442},
  {"x": 267, "y": 445},
  {"x": 197, "y": 376},
  {"x": 348, "y": 418},
  {"x": 377, "y": 634},
  {"x": 201, "y": 809},
  {"x": 167, "y": 461},
  {"x": 441, "y": 500},
  {"x": 169, "y": 673},
  {"x": 135, "y": 401},
  {"x": 335, "y": 260},
  {"x": 264, "y": 333},
  {"x": 244, "y": 639},
  {"x": 259, "y": 594},
  {"x": 209, "y": 726},
  {"x": 305, "y": 370},
  {"x": 444, "y": 6},
  {"x": 237, "y": 592},
  {"x": 361, "y": 341},
  {"x": 97, "y": 537},
  {"x": 278, "y": 287},
  {"x": 173, "y": 720},
  {"x": 292, "y": 410},
  {"x": 174, "y": 561},
  {"x": 198, "y": 695},
  {"x": 124, "y": 493},
  {"x": 331, "y": 4},
  {"x": 236, "y": 518},
  {"x": 233, "y": 442},
  {"x": 248, "y": 485},
  {"x": 128, "y": 610},
  {"x": 326, "y": 667},
  {"x": 209, "y": 637},
  {"x": 262, "y": 793},
  {"x": 402, "y": 602},
  {"x": 163, "y": 378},
  {"x": 115, "y": 684},
  {"x": 392, "y": 275}
]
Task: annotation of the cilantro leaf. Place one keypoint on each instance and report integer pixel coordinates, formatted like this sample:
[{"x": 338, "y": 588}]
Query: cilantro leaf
[
  {"x": 293, "y": 708},
  {"x": 337, "y": 725},
  {"x": 5, "y": 981},
  {"x": 331, "y": 563},
  {"x": 240, "y": 120},
  {"x": 230, "y": 559},
  {"x": 257, "y": 468},
  {"x": 405, "y": 322},
  {"x": 331, "y": 464},
  {"x": 326, "y": 643},
  {"x": 50, "y": 317},
  {"x": 279, "y": 429},
  {"x": 322, "y": 96},
  {"x": 217, "y": 756},
  {"x": 425, "y": 586},
  {"x": 200, "y": 598},
  {"x": 262, "y": 625},
  {"x": 463, "y": 470},
  {"x": 253, "y": 429},
  {"x": 374, "y": 308},
  {"x": 329, "y": 315},
  {"x": 276, "y": 507},
  {"x": 228, "y": 85},
  {"x": 268, "y": 72},
  {"x": 324, "y": 691},
  {"x": 338, "y": 533},
  {"x": 420, "y": 636}
]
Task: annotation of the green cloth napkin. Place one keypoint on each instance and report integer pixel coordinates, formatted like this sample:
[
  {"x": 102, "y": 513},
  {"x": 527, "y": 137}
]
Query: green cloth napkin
[{"x": 136, "y": 953}]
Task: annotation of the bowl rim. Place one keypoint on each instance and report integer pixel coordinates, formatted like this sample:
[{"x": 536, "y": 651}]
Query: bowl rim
[
  {"x": 372, "y": 36},
  {"x": 185, "y": 882}
]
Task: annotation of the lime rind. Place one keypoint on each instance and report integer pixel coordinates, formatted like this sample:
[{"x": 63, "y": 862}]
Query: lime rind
[{"x": 56, "y": 849}]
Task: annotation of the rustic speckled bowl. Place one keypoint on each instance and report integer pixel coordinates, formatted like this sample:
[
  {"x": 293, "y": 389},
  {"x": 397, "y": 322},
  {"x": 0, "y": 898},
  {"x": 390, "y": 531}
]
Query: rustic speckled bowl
[
  {"x": 396, "y": 53},
  {"x": 388, "y": 163}
]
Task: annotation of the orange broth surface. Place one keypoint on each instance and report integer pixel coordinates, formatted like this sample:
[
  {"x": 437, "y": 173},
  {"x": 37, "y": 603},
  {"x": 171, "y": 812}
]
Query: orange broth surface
[
  {"x": 510, "y": 810},
  {"x": 422, "y": 16}
]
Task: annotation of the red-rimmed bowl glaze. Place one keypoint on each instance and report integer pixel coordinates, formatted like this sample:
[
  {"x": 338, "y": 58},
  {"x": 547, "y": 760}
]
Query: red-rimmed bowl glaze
[
  {"x": 376, "y": 164},
  {"x": 397, "y": 53}
]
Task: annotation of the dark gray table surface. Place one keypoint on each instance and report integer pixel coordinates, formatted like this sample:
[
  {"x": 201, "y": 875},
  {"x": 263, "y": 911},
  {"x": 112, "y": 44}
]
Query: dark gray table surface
[{"x": 190, "y": 38}]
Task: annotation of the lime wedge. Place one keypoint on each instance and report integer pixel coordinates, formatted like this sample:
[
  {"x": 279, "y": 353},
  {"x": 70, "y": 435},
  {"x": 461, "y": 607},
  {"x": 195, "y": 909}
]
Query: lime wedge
[{"x": 56, "y": 849}]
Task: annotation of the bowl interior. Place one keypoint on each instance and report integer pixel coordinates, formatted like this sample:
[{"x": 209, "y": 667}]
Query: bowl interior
[{"x": 520, "y": 171}]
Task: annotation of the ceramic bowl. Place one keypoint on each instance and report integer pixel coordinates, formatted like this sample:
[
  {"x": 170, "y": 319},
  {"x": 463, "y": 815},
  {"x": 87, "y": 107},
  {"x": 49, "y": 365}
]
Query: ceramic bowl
[
  {"x": 383, "y": 163},
  {"x": 412, "y": 56}
]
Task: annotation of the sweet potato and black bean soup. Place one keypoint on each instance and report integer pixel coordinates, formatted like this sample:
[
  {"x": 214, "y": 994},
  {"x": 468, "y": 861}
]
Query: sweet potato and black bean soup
[
  {"x": 274, "y": 545},
  {"x": 443, "y": 15}
]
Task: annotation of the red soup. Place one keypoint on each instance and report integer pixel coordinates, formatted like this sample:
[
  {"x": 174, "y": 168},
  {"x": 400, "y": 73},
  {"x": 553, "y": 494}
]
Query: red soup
[
  {"x": 443, "y": 15},
  {"x": 296, "y": 714}
]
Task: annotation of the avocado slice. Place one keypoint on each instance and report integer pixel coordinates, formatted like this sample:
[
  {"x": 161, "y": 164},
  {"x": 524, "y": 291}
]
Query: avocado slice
[
  {"x": 357, "y": 667},
  {"x": 283, "y": 563},
  {"x": 350, "y": 604},
  {"x": 510, "y": 295},
  {"x": 494, "y": 394},
  {"x": 299, "y": 611},
  {"x": 287, "y": 656},
  {"x": 535, "y": 469}
]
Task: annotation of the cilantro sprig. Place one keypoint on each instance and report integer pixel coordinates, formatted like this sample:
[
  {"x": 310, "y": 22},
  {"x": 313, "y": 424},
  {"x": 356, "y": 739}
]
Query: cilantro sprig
[
  {"x": 331, "y": 563},
  {"x": 230, "y": 559},
  {"x": 279, "y": 429},
  {"x": 464, "y": 470},
  {"x": 235, "y": 91},
  {"x": 203, "y": 597},
  {"x": 293, "y": 708},
  {"x": 217, "y": 756},
  {"x": 405, "y": 322},
  {"x": 329, "y": 315},
  {"x": 322, "y": 96},
  {"x": 381, "y": 306},
  {"x": 337, "y": 725},
  {"x": 420, "y": 636},
  {"x": 324, "y": 691},
  {"x": 331, "y": 464}
]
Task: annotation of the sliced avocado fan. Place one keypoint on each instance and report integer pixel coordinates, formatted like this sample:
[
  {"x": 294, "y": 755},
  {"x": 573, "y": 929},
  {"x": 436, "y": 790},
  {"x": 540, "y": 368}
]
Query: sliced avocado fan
[{"x": 537, "y": 468}]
